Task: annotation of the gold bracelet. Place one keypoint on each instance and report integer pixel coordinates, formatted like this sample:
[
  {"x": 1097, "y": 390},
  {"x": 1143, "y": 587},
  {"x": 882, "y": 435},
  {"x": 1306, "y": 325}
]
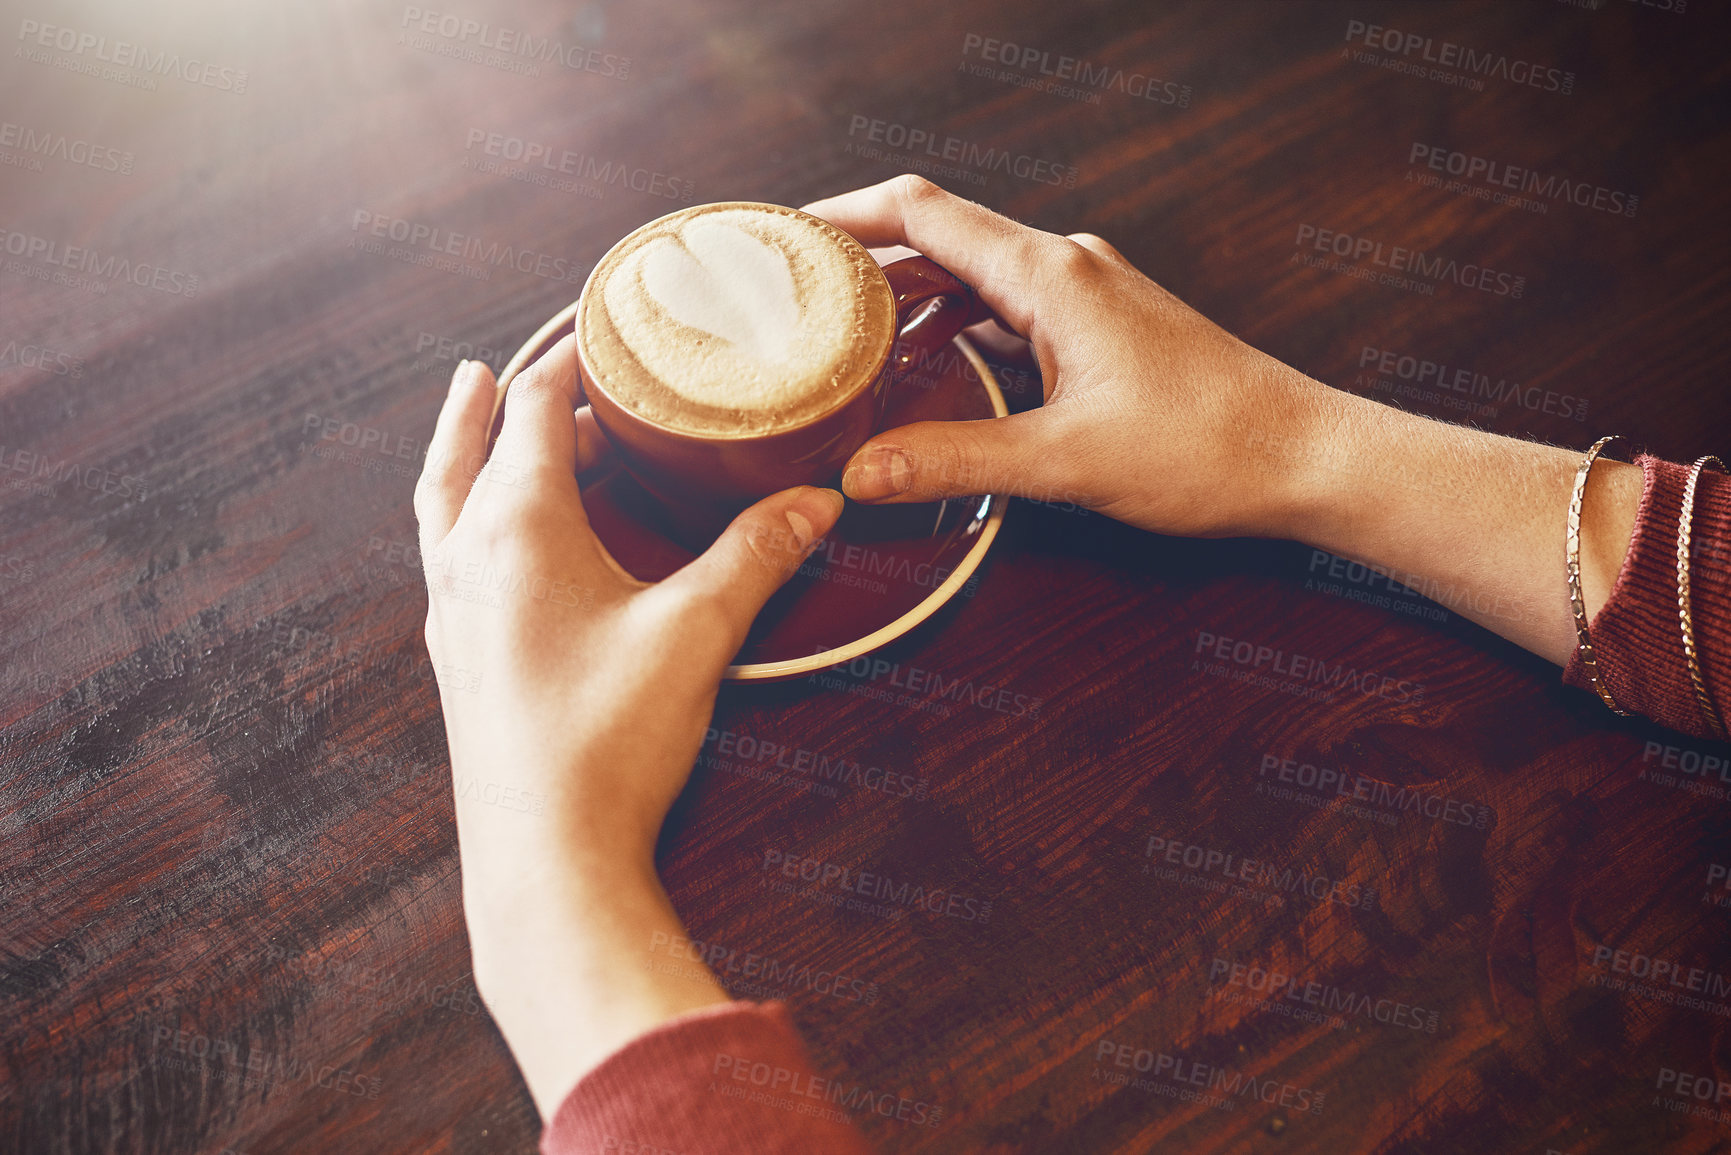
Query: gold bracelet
[
  {"x": 1573, "y": 559},
  {"x": 1714, "y": 724}
]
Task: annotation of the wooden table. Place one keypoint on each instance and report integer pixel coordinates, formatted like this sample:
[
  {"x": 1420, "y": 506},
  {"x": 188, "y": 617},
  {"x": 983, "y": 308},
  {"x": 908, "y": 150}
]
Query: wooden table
[{"x": 230, "y": 907}]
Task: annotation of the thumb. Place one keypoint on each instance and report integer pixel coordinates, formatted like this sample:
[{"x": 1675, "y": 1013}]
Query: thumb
[
  {"x": 756, "y": 555},
  {"x": 930, "y": 460}
]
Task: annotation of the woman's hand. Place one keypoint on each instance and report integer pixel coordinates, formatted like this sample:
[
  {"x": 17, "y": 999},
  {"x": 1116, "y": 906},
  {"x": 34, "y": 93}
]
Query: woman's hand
[
  {"x": 1158, "y": 417},
  {"x": 575, "y": 700},
  {"x": 1151, "y": 411}
]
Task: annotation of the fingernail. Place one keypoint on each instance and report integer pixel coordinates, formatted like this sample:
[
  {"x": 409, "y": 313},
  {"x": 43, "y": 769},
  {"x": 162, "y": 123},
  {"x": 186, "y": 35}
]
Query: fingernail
[
  {"x": 802, "y": 530},
  {"x": 459, "y": 375},
  {"x": 813, "y": 508},
  {"x": 883, "y": 471}
]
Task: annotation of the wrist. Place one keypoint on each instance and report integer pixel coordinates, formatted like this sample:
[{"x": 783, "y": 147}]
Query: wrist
[
  {"x": 1301, "y": 452},
  {"x": 568, "y": 966},
  {"x": 511, "y": 873},
  {"x": 518, "y": 806}
]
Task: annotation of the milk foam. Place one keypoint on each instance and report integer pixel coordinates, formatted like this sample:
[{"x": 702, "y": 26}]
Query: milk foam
[
  {"x": 735, "y": 319},
  {"x": 726, "y": 282}
]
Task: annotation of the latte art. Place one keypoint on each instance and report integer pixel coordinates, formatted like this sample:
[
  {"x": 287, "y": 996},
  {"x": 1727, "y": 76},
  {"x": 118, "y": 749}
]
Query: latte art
[
  {"x": 735, "y": 319},
  {"x": 720, "y": 279}
]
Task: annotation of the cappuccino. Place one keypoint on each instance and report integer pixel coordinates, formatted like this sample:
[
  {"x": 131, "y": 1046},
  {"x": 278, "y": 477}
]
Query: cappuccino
[{"x": 735, "y": 319}]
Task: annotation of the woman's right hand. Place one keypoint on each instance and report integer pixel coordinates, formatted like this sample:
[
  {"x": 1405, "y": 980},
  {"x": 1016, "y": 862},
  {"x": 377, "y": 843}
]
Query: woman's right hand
[
  {"x": 1153, "y": 414},
  {"x": 1158, "y": 417}
]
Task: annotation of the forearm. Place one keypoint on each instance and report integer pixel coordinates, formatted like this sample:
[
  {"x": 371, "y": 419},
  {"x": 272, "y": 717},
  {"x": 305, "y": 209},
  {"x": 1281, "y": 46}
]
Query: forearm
[
  {"x": 562, "y": 932},
  {"x": 1471, "y": 519}
]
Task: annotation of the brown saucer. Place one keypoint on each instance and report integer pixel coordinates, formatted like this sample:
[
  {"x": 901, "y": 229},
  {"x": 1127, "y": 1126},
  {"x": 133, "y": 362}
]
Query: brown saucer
[{"x": 881, "y": 571}]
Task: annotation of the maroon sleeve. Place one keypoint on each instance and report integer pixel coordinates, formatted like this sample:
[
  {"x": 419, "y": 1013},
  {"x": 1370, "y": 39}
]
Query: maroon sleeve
[
  {"x": 729, "y": 1078},
  {"x": 1637, "y": 636}
]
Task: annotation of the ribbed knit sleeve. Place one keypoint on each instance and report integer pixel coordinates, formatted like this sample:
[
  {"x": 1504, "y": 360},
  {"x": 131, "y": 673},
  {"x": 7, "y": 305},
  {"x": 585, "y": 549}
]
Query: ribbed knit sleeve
[
  {"x": 732, "y": 1079},
  {"x": 1637, "y": 639}
]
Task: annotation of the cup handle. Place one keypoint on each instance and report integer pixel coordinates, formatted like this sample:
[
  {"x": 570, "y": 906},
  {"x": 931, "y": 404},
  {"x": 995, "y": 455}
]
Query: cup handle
[{"x": 923, "y": 327}]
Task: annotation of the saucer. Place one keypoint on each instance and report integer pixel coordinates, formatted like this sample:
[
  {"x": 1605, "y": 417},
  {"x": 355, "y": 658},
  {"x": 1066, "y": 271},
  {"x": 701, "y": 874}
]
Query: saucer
[{"x": 880, "y": 572}]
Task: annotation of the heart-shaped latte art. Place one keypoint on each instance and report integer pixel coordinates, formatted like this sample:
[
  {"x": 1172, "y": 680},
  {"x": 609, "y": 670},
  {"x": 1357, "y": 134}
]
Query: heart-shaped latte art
[
  {"x": 750, "y": 311},
  {"x": 727, "y": 283}
]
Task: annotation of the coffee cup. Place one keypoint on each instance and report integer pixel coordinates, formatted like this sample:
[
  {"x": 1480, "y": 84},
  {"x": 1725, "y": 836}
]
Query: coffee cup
[{"x": 735, "y": 349}]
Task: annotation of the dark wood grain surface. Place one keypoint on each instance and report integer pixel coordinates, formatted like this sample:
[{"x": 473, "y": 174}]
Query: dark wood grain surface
[{"x": 230, "y": 918}]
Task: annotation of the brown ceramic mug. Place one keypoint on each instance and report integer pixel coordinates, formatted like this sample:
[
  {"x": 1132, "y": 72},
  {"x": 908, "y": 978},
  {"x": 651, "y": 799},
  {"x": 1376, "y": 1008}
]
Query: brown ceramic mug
[{"x": 901, "y": 312}]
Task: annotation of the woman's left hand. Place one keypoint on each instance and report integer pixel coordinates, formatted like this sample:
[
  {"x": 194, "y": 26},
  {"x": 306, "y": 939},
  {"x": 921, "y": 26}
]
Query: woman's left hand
[{"x": 575, "y": 700}]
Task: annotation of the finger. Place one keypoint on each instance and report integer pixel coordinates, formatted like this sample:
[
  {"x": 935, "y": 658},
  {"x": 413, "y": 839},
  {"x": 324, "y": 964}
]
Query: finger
[
  {"x": 755, "y": 555},
  {"x": 1001, "y": 259},
  {"x": 455, "y": 453},
  {"x": 931, "y": 460},
  {"x": 594, "y": 451},
  {"x": 537, "y": 442}
]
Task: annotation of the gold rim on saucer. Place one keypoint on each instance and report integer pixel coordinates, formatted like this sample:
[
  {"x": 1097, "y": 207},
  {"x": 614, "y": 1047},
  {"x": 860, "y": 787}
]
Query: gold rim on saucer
[{"x": 822, "y": 659}]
